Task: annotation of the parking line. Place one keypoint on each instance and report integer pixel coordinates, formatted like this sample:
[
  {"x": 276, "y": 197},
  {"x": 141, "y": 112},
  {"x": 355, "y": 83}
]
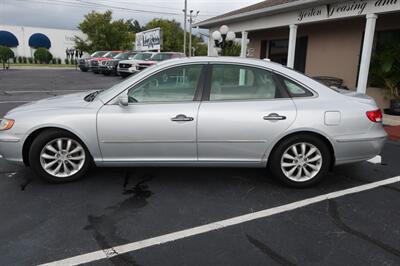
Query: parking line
[
  {"x": 118, "y": 250},
  {"x": 41, "y": 91},
  {"x": 15, "y": 102}
]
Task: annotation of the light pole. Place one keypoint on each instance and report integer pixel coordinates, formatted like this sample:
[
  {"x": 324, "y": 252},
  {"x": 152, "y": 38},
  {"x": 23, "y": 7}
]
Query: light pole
[
  {"x": 191, "y": 20},
  {"x": 224, "y": 37},
  {"x": 184, "y": 27}
]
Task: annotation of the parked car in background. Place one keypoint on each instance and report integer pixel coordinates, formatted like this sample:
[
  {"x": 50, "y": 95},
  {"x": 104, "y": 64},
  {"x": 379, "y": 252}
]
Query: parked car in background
[
  {"x": 129, "y": 67},
  {"x": 199, "y": 111},
  {"x": 108, "y": 67},
  {"x": 83, "y": 63},
  {"x": 94, "y": 63},
  {"x": 158, "y": 57}
]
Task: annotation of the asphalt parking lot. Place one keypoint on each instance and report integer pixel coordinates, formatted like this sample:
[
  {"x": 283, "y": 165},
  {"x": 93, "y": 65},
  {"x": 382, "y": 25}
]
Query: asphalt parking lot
[{"x": 42, "y": 223}]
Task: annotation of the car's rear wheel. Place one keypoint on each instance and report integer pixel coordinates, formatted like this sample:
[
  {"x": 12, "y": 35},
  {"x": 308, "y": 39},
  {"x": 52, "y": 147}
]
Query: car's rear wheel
[
  {"x": 300, "y": 160},
  {"x": 59, "y": 156}
]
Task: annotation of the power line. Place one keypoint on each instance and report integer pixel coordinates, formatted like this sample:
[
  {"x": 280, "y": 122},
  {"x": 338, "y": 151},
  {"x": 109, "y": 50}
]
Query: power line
[{"x": 89, "y": 5}]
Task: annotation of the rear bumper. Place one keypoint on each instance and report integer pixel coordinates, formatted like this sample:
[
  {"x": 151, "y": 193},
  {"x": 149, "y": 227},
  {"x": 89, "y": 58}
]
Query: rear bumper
[{"x": 356, "y": 149}]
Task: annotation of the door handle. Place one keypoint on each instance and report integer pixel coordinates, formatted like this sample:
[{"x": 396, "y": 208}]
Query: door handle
[
  {"x": 181, "y": 117},
  {"x": 274, "y": 117}
]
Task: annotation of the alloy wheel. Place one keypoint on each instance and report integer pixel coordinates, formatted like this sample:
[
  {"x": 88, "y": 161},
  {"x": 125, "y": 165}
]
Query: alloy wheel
[
  {"x": 301, "y": 162},
  {"x": 62, "y": 157}
]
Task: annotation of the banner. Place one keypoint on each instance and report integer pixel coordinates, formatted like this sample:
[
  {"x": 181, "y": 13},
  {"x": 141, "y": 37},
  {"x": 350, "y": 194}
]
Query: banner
[{"x": 149, "y": 40}]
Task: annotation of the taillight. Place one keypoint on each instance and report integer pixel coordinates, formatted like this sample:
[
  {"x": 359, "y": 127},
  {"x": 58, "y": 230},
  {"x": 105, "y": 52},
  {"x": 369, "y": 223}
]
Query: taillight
[{"x": 375, "y": 116}]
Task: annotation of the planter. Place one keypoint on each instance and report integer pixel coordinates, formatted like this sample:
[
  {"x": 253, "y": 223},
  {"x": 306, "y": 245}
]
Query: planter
[{"x": 394, "y": 107}]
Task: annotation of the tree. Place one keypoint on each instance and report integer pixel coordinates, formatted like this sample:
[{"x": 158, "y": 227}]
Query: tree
[
  {"x": 172, "y": 34},
  {"x": 104, "y": 34},
  {"x": 5, "y": 54},
  {"x": 231, "y": 49},
  {"x": 385, "y": 67},
  {"x": 43, "y": 55},
  {"x": 134, "y": 26}
]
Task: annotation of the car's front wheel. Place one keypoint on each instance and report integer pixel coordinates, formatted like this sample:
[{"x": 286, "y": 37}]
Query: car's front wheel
[
  {"x": 300, "y": 160},
  {"x": 59, "y": 156}
]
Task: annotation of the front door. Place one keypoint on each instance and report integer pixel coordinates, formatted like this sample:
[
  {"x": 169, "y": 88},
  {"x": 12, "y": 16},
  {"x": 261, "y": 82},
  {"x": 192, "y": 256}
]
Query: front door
[
  {"x": 159, "y": 123},
  {"x": 247, "y": 109}
]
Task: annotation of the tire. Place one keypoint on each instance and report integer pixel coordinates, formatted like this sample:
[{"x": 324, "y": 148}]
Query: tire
[
  {"x": 39, "y": 154},
  {"x": 312, "y": 170},
  {"x": 83, "y": 69},
  {"x": 124, "y": 75}
]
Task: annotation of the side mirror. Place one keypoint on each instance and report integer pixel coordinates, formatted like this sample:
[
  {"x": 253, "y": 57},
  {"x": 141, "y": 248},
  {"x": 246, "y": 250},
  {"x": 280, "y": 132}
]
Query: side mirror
[{"x": 123, "y": 100}]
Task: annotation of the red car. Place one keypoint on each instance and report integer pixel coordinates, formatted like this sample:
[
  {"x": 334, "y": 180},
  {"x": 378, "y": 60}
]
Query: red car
[
  {"x": 94, "y": 63},
  {"x": 157, "y": 58},
  {"x": 84, "y": 62}
]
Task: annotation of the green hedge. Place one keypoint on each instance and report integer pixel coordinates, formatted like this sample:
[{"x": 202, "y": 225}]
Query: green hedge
[{"x": 43, "y": 55}]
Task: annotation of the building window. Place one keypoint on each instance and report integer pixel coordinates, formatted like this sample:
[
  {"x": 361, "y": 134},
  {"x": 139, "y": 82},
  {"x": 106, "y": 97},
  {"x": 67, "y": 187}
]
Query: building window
[{"x": 277, "y": 51}]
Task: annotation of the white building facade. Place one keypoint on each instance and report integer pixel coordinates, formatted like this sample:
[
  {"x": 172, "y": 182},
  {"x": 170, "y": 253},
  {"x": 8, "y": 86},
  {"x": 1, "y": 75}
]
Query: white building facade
[{"x": 25, "y": 40}]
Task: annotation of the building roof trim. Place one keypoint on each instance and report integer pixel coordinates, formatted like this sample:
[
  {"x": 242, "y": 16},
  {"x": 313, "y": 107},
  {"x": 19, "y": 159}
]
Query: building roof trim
[{"x": 263, "y": 11}]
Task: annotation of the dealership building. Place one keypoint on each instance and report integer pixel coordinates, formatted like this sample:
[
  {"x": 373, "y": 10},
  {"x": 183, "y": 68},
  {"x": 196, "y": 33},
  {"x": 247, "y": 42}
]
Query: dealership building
[
  {"x": 317, "y": 37},
  {"x": 25, "y": 40}
]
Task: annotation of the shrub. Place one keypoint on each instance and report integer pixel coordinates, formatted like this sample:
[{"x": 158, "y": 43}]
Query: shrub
[
  {"x": 54, "y": 61},
  {"x": 19, "y": 59},
  {"x": 30, "y": 60},
  {"x": 24, "y": 59},
  {"x": 5, "y": 54},
  {"x": 43, "y": 55},
  {"x": 59, "y": 61},
  {"x": 66, "y": 61}
]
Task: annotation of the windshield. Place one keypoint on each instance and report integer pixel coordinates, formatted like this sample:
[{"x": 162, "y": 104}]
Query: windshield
[
  {"x": 98, "y": 54},
  {"x": 161, "y": 57},
  {"x": 142, "y": 56},
  {"x": 111, "y": 54},
  {"x": 124, "y": 56}
]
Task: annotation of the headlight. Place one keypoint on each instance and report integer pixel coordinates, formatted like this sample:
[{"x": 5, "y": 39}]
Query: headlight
[{"x": 6, "y": 123}]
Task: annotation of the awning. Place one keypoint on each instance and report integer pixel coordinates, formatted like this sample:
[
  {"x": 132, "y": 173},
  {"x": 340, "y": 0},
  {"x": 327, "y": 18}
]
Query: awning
[
  {"x": 8, "y": 39},
  {"x": 39, "y": 40}
]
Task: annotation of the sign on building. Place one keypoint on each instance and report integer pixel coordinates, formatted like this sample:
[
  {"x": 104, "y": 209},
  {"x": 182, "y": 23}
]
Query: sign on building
[{"x": 149, "y": 40}]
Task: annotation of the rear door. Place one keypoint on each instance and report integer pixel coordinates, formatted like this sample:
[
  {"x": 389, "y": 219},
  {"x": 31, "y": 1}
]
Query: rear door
[{"x": 243, "y": 111}]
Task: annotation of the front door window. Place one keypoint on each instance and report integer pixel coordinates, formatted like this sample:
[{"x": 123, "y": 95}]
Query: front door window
[{"x": 176, "y": 84}]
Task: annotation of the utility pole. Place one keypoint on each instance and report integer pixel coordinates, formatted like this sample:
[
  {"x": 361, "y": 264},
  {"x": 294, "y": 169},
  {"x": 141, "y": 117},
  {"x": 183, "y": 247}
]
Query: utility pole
[
  {"x": 184, "y": 27},
  {"x": 191, "y": 20}
]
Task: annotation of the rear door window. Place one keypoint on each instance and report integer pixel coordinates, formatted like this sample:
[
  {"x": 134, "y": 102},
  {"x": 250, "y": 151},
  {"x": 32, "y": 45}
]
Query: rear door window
[{"x": 235, "y": 82}]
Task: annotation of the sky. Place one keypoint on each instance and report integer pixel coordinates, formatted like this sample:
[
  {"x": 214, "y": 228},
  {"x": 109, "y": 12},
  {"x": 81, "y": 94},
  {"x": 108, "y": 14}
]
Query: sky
[{"x": 67, "y": 14}]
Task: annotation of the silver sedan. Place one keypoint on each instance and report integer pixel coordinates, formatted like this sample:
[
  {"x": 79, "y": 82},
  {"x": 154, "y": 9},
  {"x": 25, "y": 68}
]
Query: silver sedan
[{"x": 200, "y": 111}]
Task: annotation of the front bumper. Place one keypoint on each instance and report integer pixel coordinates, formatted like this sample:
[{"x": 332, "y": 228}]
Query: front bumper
[
  {"x": 107, "y": 69},
  {"x": 11, "y": 148},
  {"x": 131, "y": 70}
]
